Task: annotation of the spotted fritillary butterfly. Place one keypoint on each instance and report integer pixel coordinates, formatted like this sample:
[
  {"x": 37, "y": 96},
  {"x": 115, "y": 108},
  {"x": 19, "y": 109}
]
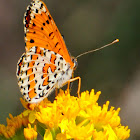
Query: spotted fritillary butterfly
[{"x": 46, "y": 63}]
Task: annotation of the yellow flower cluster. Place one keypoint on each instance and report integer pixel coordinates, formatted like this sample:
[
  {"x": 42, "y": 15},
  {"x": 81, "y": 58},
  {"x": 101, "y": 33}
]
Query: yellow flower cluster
[
  {"x": 13, "y": 124},
  {"x": 70, "y": 117}
]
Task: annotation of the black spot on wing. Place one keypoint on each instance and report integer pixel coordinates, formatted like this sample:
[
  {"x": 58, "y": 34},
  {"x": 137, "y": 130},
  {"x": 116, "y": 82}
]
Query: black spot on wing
[
  {"x": 56, "y": 44},
  {"x": 39, "y": 88},
  {"x": 47, "y": 21},
  {"x": 48, "y": 87},
  {"x": 36, "y": 10},
  {"x": 34, "y": 24},
  {"x": 55, "y": 75},
  {"x": 49, "y": 17},
  {"x": 50, "y": 34},
  {"x": 31, "y": 41},
  {"x": 41, "y": 6},
  {"x": 61, "y": 58},
  {"x": 28, "y": 86}
]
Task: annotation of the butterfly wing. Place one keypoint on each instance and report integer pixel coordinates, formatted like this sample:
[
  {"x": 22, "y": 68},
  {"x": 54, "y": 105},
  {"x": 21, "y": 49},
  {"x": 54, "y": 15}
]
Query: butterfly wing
[
  {"x": 39, "y": 71},
  {"x": 46, "y": 64},
  {"x": 41, "y": 30}
]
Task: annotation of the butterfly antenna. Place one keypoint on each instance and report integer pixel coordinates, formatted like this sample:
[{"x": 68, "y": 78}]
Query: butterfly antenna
[{"x": 115, "y": 41}]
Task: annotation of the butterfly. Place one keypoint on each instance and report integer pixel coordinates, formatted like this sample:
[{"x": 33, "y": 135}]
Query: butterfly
[{"x": 46, "y": 63}]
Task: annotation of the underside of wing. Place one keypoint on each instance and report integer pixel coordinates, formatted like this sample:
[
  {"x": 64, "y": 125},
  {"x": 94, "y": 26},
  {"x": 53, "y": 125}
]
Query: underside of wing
[{"x": 38, "y": 72}]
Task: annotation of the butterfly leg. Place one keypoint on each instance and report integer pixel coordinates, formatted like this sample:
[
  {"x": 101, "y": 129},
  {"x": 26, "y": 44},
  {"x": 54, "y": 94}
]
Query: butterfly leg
[
  {"x": 56, "y": 92},
  {"x": 79, "y": 84}
]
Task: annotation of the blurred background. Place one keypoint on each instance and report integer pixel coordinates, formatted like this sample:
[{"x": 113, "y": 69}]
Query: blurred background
[{"x": 86, "y": 25}]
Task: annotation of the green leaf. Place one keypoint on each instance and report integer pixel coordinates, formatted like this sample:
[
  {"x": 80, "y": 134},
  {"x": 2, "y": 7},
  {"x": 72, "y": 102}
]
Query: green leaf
[{"x": 41, "y": 129}]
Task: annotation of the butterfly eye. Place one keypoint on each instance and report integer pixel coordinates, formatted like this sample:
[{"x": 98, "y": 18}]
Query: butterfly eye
[{"x": 74, "y": 60}]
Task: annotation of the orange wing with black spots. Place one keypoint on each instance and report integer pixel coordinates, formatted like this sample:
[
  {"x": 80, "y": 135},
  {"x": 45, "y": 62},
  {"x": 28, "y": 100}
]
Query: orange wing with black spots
[
  {"x": 46, "y": 64},
  {"x": 41, "y": 30}
]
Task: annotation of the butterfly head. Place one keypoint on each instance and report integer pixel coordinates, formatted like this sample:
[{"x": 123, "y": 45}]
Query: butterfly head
[{"x": 74, "y": 60}]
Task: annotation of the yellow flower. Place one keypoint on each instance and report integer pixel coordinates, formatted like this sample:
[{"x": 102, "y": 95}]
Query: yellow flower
[
  {"x": 79, "y": 132},
  {"x": 87, "y": 100},
  {"x": 100, "y": 135},
  {"x": 48, "y": 135},
  {"x": 98, "y": 115},
  {"x": 13, "y": 124},
  {"x": 69, "y": 117},
  {"x": 50, "y": 115},
  {"x": 30, "y": 133},
  {"x": 109, "y": 132},
  {"x": 61, "y": 136},
  {"x": 67, "y": 104},
  {"x": 122, "y": 132}
]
